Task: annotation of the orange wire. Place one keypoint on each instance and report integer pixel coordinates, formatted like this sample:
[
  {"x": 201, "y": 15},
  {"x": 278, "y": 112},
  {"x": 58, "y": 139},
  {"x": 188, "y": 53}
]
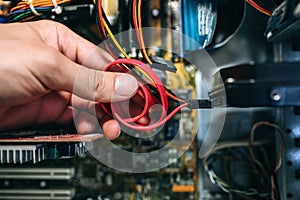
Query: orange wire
[
  {"x": 37, "y": 3},
  {"x": 141, "y": 33},
  {"x": 135, "y": 23},
  {"x": 168, "y": 93},
  {"x": 258, "y": 7},
  {"x": 141, "y": 42}
]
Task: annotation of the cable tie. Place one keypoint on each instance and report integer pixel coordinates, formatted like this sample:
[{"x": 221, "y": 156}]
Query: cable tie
[
  {"x": 33, "y": 10},
  {"x": 57, "y": 9}
]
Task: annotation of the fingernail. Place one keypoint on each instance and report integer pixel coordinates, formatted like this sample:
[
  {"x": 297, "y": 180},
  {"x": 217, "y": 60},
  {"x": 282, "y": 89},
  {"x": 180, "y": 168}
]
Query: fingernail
[{"x": 125, "y": 85}]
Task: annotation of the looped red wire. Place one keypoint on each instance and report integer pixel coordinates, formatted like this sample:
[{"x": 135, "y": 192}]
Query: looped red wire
[{"x": 116, "y": 110}]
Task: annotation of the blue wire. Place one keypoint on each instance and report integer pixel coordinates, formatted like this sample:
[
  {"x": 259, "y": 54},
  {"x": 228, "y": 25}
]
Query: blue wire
[{"x": 28, "y": 9}]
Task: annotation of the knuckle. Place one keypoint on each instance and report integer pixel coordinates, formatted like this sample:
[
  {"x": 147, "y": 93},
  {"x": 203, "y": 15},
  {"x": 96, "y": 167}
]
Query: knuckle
[
  {"x": 100, "y": 88},
  {"x": 50, "y": 23},
  {"x": 47, "y": 62},
  {"x": 104, "y": 90}
]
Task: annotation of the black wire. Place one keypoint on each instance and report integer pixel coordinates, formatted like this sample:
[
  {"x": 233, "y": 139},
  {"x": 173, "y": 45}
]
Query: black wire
[
  {"x": 131, "y": 13},
  {"x": 224, "y": 154}
]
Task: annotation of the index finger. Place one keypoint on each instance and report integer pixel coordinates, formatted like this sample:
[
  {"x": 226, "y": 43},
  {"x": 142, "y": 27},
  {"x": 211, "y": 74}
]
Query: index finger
[{"x": 72, "y": 45}]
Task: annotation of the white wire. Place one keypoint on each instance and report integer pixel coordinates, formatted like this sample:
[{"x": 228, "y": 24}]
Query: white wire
[
  {"x": 222, "y": 145},
  {"x": 33, "y": 10}
]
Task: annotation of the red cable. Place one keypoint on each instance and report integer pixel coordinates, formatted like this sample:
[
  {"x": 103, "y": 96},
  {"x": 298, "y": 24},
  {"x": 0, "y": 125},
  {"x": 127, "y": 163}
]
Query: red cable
[
  {"x": 154, "y": 125},
  {"x": 116, "y": 109},
  {"x": 255, "y": 5},
  {"x": 157, "y": 82},
  {"x": 137, "y": 34}
]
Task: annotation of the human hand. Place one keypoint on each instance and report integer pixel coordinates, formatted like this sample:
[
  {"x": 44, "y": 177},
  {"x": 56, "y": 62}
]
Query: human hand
[{"x": 39, "y": 64}]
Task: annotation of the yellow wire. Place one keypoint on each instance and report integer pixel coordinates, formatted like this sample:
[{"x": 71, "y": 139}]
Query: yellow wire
[
  {"x": 122, "y": 50},
  {"x": 114, "y": 39},
  {"x": 126, "y": 55}
]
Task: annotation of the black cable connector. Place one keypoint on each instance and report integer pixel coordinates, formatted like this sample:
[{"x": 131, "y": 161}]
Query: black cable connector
[
  {"x": 162, "y": 64},
  {"x": 199, "y": 104}
]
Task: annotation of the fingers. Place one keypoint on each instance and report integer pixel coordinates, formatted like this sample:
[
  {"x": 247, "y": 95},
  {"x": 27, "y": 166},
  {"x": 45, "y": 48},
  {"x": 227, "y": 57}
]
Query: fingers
[
  {"x": 104, "y": 86},
  {"x": 61, "y": 38},
  {"x": 72, "y": 45},
  {"x": 84, "y": 82},
  {"x": 60, "y": 68},
  {"x": 111, "y": 128},
  {"x": 88, "y": 123},
  {"x": 61, "y": 74},
  {"x": 47, "y": 109}
]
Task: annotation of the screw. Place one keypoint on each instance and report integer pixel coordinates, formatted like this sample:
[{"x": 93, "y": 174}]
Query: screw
[
  {"x": 275, "y": 95},
  {"x": 230, "y": 80}
]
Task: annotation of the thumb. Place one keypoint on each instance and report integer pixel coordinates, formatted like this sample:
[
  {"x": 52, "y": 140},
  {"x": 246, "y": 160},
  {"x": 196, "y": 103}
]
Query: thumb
[
  {"x": 104, "y": 86},
  {"x": 87, "y": 83}
]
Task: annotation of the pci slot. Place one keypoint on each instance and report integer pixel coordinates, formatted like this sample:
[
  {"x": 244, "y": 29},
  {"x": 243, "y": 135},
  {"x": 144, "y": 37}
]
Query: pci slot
[
  {"x": 37, "y": 173},
  {"x": 37, "y": 194}
]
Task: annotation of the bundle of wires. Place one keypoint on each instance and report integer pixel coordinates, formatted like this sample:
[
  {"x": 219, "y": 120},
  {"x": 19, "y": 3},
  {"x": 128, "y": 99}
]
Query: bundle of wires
[
  {"x": 221, "y": 151},
  {"x": 105, "y": 28},
  {"x": 151, "y": 89},
  {"x": 29, "y": 9},
  {"x": 274, "y": 189},
  {"x": 236, "y": 154},
  {"x": 137, "y": 24},
  {"x": 145, "y": 92}
]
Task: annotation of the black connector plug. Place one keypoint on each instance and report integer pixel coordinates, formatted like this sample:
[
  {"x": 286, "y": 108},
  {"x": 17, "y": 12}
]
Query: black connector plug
[
  {"x": 199, "y": 104},
  {"x": 162, "y": 64}
]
